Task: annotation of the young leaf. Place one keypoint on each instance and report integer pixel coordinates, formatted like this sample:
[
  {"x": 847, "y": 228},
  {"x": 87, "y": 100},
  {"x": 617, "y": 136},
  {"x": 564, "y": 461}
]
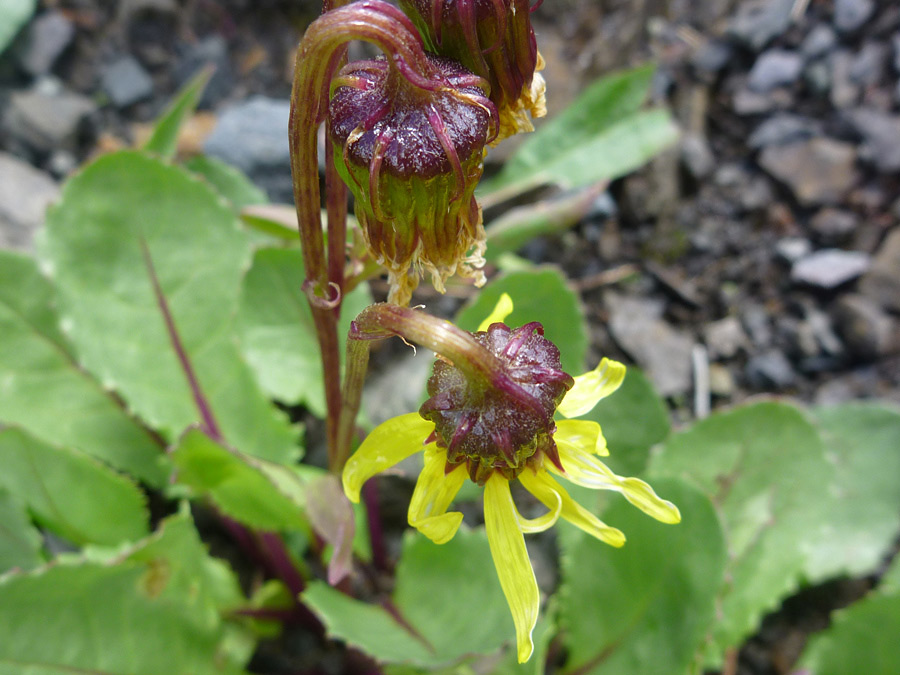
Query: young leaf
[
  {"x": 861, "y": 506},
  {"x": 164, "y": 140},
  {"x": 237, "y": 485},
  {"x": 148, "y": 261},
  {"x": 647, "y": 607},
  {"x": 228, "y": 181},
  {"x": 154, "y": 610},
  {"x": 20, "y": 542},
  {"x": 46, "y": 393},
  {"x": 276, "y": 329},
  {"x": 764, "y": 468},
  {"x": 70, "y": 493},
  {"x": 538, "y": 295},
  {"x": 602, "y": 135},
  {"x": 447, "y": 604}
]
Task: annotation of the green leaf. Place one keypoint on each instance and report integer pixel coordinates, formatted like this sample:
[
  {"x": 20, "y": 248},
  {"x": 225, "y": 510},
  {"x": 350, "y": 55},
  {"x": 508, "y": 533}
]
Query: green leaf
[
  {"x": 764, "y": 468},
  {"x": 538, "y": 295},
  {"x": 633, "y": 419},
  {"x": 132, "y": 239},
  {"x": 164, "y": 140},
  {"x": 46, "y": 393},
  {"x": 13, "y": 15},
  {"x": 20, "y": 542},
  {"x": 228, "y": 181},
  {"x": 602, "y": 135},
  {"x": 447, "y": 596},
  {"x": 518, "y": 226},
  {"x": 237, "y": 484},
  {"x": 153, "y": 610},
  {"x": 70, "y": 493},
  {"x": 647, "y": 607},
  {"x": 277, "y": 332},
  {"x": 860, "y": 508},
  {"x": 862, "y": 639}
]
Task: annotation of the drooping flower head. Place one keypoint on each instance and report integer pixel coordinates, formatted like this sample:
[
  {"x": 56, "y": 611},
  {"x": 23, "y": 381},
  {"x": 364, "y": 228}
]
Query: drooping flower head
[
  {"x": 410, "y": 145},
  {"x": 493, "y": 422},
  {"x": 493, "y": 39}
]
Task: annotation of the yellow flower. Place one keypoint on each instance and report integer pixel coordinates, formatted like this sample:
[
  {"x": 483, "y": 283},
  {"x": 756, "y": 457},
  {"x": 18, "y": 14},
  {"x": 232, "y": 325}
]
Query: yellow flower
[{"x": 569, "y": 451}]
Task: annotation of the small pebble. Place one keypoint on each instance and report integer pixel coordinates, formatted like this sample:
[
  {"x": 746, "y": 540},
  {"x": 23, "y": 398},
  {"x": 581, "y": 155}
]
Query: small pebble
[{"x": 829, "y": 268}]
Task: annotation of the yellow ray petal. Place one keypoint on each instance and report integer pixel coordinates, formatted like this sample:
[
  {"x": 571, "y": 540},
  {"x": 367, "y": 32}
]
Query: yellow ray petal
[
  {"x": 388, "y": 443},
  {"x": 580, "y": 435},
  {"x": 434, "y": 492},
  {"x": 511, "y": 560},
  {"x": 542, "y": 486},
  {"x": 541, "y": 523},
  {"x": 584, "y": 469},
  {"x": 591, "y": 387},
  {"x": 502, "y": 310}
]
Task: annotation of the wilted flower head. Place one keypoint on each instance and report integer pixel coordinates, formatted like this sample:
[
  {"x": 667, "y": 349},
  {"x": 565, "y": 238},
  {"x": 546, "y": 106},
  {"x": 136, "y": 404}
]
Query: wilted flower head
[
  {"x": 410, "y": 146},
  {"x": 493, "y": 39},
  {"x": 499, "y": 429}
]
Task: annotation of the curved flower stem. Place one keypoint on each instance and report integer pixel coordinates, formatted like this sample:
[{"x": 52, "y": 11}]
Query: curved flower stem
[{"x": 318, "y": 57}]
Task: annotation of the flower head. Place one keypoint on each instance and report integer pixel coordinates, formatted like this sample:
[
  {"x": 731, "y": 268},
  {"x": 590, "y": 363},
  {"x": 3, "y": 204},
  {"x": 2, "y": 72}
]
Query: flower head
[
  {"x": 493, "y": 39},
  {"x": 501, "y": 430},
  {"x": 411, "y": 149}
]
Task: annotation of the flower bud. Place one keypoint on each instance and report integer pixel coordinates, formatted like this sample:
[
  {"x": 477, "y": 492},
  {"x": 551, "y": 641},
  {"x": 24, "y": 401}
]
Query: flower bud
[
  {"x": 503, "y": 423},
  {"x": 493, "y": 39},
  {"x": 411, "y": 149}
]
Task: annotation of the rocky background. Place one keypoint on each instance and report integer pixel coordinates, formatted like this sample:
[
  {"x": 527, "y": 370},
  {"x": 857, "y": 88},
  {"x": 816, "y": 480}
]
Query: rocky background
[{"x": 760, "y": 255}]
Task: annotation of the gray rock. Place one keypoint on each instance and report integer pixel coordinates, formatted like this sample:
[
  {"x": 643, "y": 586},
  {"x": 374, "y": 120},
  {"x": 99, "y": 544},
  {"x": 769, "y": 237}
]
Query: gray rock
[
  {"x": 47, "y": 38},
  {"x": 792, "y": 249},
  {"x": 833, "y": 226},
  {"x": 711, "y": 58},
  {"x": 783, "y": 128},
  {"x": 725, "y": 338},
  {"x": 756, "y": 194},
  {"x": 696, "y": 156},
  {"x": 850, "y": 15},
  {"x": 817, "y": 171},
  {"x": 252, "y": 135},
  {"x": 749, "y": 102},
  {"x": 869, "y": 65},
  {"x": 817, "y": 76},
  {"x": 25, "y": 194},
  {"x": 126, "y": 82},
  {"x": 211, "y": 51},
  {"x": 882, "y": 282},
  {"x": 756, "y": 322},
  {"x": 820, "y": 41},
  {"x": 775, "y": 68},
  {"x": 47, "y": 121},
  {"x": 868, "y": 331},
  {"x": 829, "y": 268},
  {"x": 895, "y": 41},
  {"x": 770, "y": 370},
  {"x": 602, "y": 208},
  {"x": 757, "y": 22},
  {"x": 661, "y": 350},
  {"x": 881, "y": 133},
  {"x": 844, "y": 91}
]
